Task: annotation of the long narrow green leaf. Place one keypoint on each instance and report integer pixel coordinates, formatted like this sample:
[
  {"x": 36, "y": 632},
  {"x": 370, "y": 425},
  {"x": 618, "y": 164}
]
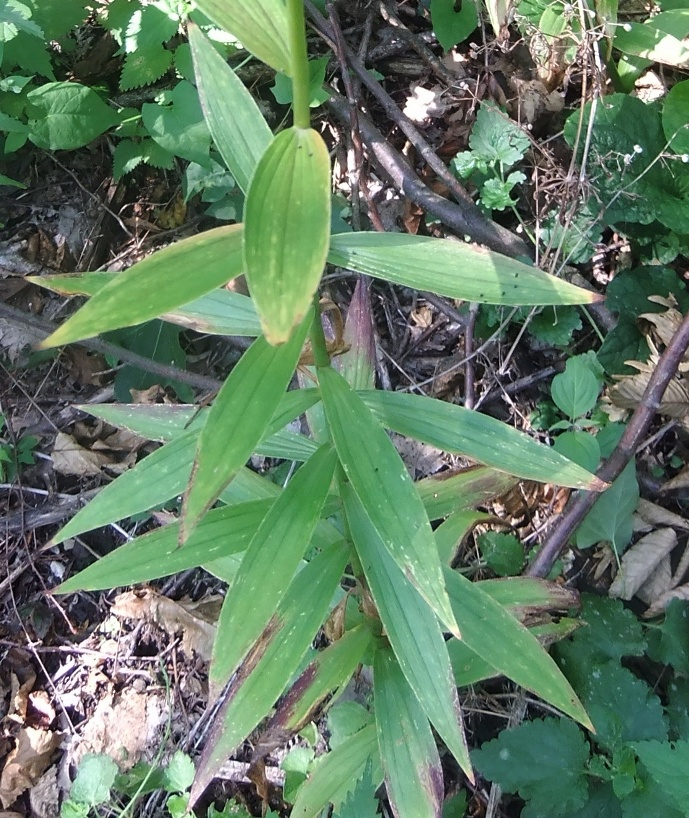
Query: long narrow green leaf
[
  {"x": 238, "y": 419},
  {"x": 167, "y": 279},
  {"x": 463, "y": 431},
  {"x": 272, "y": 662},
  {"x": 222, "y": 532},
  {"x": 337, "y": 773},
  {"x": 449, "y": 534},
  {"x": 235, "y": 121},
  {"x": 269, "y": 564},
  {"x": 260, "y": 26},
  {"x": 413, "y": 775},
  {"x": 287, "y": 229},
  {"x": 453, "y": 269},
  {"x": 496, "y": 636},
  {"x": 385, "y": 489},
  {"x": 412, "y": 630},
  {"x": 444, "y": 494},
  {"x": 329, "y": 671}
]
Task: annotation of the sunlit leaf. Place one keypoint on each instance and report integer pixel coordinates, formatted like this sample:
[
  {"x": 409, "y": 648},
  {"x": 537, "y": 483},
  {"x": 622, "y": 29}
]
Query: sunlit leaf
[
  {"x": 385, "y": 489},
  {"x": 287, "y": 229}
]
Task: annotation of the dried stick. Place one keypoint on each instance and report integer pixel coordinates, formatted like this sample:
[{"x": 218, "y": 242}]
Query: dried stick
[{"x": 626, "y": 448}]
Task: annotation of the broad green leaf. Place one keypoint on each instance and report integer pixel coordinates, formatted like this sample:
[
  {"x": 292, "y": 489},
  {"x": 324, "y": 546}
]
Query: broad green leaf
[
  {"x": 273, "y": 661},
  {"x": 575, "y": 391},
  {"x": 413, "y": 775},
  {"x": 463, "y": 431},
  {"x": 261, "y": 27},
  {"x": 335, "y": 775},
  {"x": 445, "y": 494},
  {"x": 660, "y": 38},
  {"x": 177, "y": 124},
  {"x": 667, "y": 763},
  {"x": 223, "y": 531},
  {"x": 676, "y": 117},
  {"x": 528, "y": 596},
  {"x": 452, "y": 26},
  {"x": 496, "y": 636},
  {"x": 237, "y": 420},
  {"x": 412, "y": 630},
  {"x": 385, "y": 489},
  {"x": 95, "y": 777},
  {"x": 67, "y": 115},
  {"x": 235, "y": 121},
  {"x": 157, "y": 285},
  {"x": 269, "y": 564},
  {"x": 329, "y": 672},
  {"x": 611, "y": 518},
  {"x": 287, "y": 229},
  {"x": 452, "y": 269}
]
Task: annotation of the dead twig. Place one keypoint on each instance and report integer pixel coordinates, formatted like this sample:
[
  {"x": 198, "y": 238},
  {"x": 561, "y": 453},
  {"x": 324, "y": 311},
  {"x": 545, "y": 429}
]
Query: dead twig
[{"x": 626, "y": 449}]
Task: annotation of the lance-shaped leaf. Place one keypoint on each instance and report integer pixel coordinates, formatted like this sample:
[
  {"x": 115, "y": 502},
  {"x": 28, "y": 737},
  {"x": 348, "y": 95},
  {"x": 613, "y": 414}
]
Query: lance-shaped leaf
[
  {"x": 222, "y": 532},
  {"x": 337, "y": 773},
  {"x": 450, "y": 534},
  {"x": 260, "y": 26},
  {"x": 167, "y": 279},
  {"x": 358, "y": 364},
  {"x": 329, "y": 672},
  {"x": 237, "y": 420},
  {"x": 413, "y": 775},
  {"x": 496, "y": 636},
  {"x": 272, "y": 662},
  {"x": 463, "y": 431},
  {"x": 453, "y": 269},
  {"x": 269, "y": 564},
  {"x": 412, "y": 630},
  {"x": 444, "y": 494},
  {"x": 287, "y": 229},
  {"x": 384, "y": 487},
  {"x": 220, "y": 312},
  {"x": 235, "y": 121}
]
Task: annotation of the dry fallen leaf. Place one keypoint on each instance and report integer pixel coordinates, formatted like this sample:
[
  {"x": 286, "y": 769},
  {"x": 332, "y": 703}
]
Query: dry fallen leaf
[
  {"x": 26, "y": 763},
  {"x": 44, "y": 796},
  {"x": 639, "y": 562},
  {"x": 681, "y": 592},
  {"x": 679, "y": 481},
  {"x": 658, "y": 583},
  {"x": 654, "y": 514}
]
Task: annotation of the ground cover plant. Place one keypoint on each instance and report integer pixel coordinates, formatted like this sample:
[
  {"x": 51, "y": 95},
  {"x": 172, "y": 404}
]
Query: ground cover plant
[{"x": 339, "y": 565}]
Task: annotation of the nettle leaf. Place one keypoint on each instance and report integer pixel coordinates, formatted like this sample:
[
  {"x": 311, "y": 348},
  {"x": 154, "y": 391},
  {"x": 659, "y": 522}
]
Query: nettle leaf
[
  {"x": 16, "y": 17},
  {"x": 611, "y": 518},
  {"x": 145, "y": 66},
  {"x": 544, "y": 761},
  {"x": 667, "y": 764},
  {"x": 555, "y": 326},
  {"x": 130, "y": 154},
  {"x": 57, "y": 17},
  {"x": 495, "y": 138},
  {"x": 575, "y": 391},
  {"x": 261, "y": 28},
  {"x": 177, "y": 123},
  {"x": 95, "y": 778},
  {"x": 503, "y": 553},
  {"x": 239, "y": 129},
  {"x": 413, "y": 775},
  {"x": 67, "y": 115},
  {"x": 452, "y": 25},
  {"x": 287, "y": 229},
  {"x": 138, "y": 294},
  {"x": 148, "y": 26},
  {"x": 426, "y": 263},
  {"x": 668, "y": 642}
]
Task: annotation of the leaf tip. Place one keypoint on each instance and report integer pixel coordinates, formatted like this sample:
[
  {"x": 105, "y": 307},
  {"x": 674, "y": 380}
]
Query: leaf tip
[{"x": 596, "y": 484}]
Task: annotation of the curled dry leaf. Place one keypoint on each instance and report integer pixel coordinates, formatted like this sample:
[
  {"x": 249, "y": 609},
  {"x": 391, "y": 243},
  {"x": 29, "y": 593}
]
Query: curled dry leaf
[
  {"x": 26, "y": 763},
  {"x": 681, "y": 592},
  {"x": 655, "y": 515},
  {"x": 628, "y": 391},
  {"x": 658, "y": 583},
  {"x": 641, "y": 560}
]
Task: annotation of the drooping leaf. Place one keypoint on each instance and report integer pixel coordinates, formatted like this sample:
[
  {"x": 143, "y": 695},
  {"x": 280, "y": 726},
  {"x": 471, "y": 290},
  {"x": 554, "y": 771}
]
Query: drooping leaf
[
  {"x": 269, "y": 564},
  {"x": 483, "y": 438},
  {"x": 237, "y": 420},
  {"x": 412, "y": 630},
  {"x": 156, "y": 285},
  {"x": 385, "y": 489},
  {"x": 287, "y": 229},
  {"x": 261, "y": 27},
  {"x": 452, "y": 269},
  {"x": 272, "y": 662},
  {"x": 413, "y": 775},
  {"x": 235, "y": 121}
]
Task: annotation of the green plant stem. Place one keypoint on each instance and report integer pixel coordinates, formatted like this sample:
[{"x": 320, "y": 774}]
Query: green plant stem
[
  {"x": 318, "y": 346},
  {"x": 300, "y": 64}
]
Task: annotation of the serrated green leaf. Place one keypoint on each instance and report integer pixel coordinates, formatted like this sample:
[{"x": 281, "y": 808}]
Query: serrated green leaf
[
  {"x": 361, "y": 801},
  {"x": 483, "y": 438},
  {"x": 95, "y": 778},
  {"x": 287, "y": 229},
  {"x": 667, "y": 764},
  {"x": 337, "y": 772},
  {"x": 261, "y": 28},
  {"x": 16, "y": 17},
  {"x": 497, "y": 139},
  {"x": 575, "y": 391},
  {"x": 413, "y": 775},
  {"x": 239, "y": 417},
  {"x": 178, "y": 125},
  {"x": 269, "y": 564},
  {"x": 157, "y": 284},
  {"x": 385, "y": 489},
  {"x": 179, "y": 773},
  {"x": 412, "y": 630},
  {"x": 426, "y": 263},
  {"x": 67, "y": 115},
  {"x": 503, "y": 553},
  {"x": 499, "y": 638},
  {"x": 57, "y": 17},
  {"x": 273, "y": 661},
  {"x": 235, "y": 121},
  {"x": 556, "y": 326},
  {"x": 544, "y": 761},
  {"x": 668, "y": 642},
  {"x": 144, "y": 66}
]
